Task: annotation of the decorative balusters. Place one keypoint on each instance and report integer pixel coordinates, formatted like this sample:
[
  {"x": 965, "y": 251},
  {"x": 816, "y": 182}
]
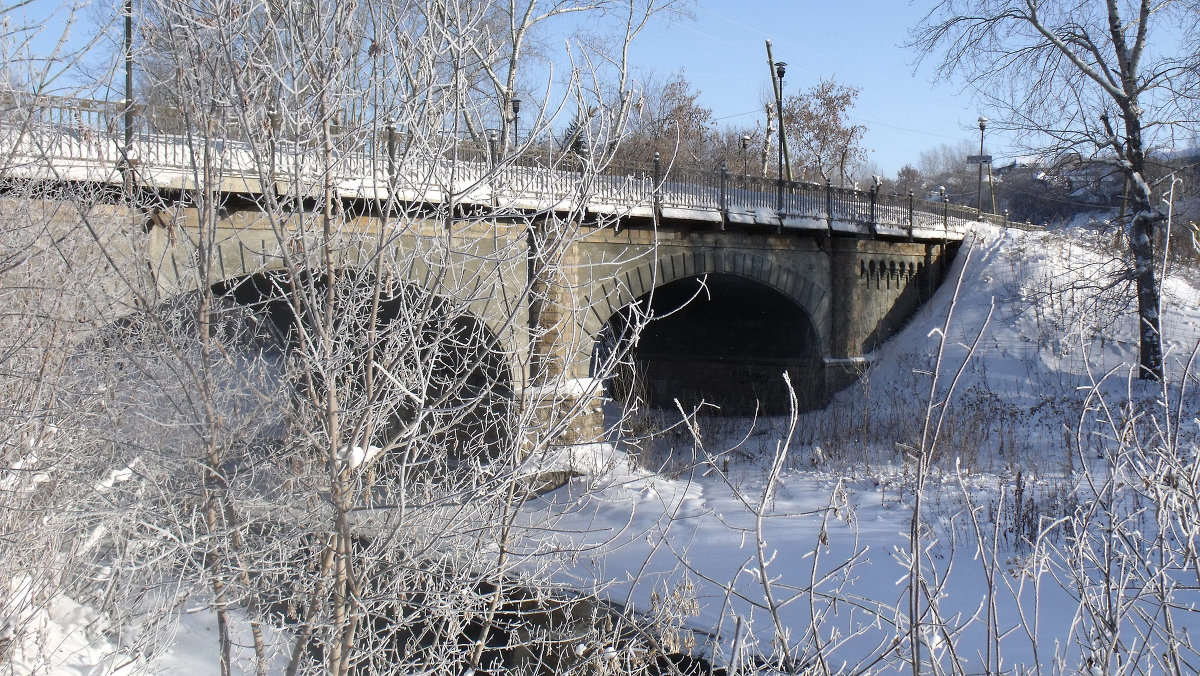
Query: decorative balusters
[{"x": 88, "y": 131}]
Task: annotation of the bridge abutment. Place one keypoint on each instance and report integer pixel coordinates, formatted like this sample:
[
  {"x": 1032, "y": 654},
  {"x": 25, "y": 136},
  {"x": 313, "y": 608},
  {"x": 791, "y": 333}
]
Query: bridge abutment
[{"x": 878, "y": 285}]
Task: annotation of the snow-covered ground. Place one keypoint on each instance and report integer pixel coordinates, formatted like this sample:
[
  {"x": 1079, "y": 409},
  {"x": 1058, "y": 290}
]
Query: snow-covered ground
[
  {"x": 71, "y": 638},
  {"x": 776, "y": 540}
]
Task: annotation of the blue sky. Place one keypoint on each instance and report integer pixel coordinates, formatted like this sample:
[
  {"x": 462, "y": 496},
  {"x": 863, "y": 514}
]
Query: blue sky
[{"x": 857, "y": 42}]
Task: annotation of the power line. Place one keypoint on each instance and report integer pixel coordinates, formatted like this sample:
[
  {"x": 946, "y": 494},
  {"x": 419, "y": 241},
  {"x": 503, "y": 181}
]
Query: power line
[{"x": 756, "y": 111}]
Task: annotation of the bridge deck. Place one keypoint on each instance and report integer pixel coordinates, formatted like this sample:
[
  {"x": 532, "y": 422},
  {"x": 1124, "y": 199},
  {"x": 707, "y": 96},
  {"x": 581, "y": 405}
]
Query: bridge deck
[{"x": 77, "y": 141}]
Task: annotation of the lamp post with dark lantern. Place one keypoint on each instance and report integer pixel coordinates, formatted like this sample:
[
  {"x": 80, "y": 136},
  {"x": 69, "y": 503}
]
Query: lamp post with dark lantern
[
  {"x": 780, "y": 69},
  {"x": 979, "y": 191},
  {"x": 516, "y": 119},
  {"x": 745, "y": 154}
]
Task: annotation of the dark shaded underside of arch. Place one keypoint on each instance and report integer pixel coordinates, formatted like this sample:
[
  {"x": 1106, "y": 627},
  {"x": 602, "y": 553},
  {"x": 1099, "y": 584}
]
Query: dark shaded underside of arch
[{"x": 724, "y": 340}]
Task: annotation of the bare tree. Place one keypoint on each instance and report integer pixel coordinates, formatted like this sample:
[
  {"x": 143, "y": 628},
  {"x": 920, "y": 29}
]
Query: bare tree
[
  {"x": 945, "y": 171},
  {"x": 1100, "y": 79},
  {"x": 514, "y": 36},
  {"x": 909, "y": 178},
  {"x": 669, "y": 121},
  {"x": 737, "y": 147},
  {"x": 55, "y": 478}
]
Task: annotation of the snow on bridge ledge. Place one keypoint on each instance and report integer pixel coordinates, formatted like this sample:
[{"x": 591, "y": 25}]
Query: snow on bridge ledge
[{"x": 62, "y": 145}]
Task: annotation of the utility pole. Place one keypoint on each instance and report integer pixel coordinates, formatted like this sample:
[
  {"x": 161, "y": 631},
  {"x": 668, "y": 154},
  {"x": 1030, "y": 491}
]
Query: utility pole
[
  {"x": 766, "y": 146},
  {"x": 777, "y": 71},
  {"x": 992, "y": 186}
]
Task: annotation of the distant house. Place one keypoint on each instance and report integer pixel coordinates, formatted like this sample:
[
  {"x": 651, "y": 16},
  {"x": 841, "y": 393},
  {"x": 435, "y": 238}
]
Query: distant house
[{"x": 1098, "y": 184}]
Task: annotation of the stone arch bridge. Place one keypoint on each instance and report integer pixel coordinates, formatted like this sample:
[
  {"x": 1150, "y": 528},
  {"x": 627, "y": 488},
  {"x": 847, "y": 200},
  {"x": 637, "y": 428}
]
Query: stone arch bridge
[
  {"x": 745, "y": 278},
  {"x": 733, "y": 304}
]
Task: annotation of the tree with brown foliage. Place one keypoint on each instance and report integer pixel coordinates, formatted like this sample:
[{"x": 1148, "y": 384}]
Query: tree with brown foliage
[
  {"x": 824, "y": 142},
  {"x": 909, "y": 178}
]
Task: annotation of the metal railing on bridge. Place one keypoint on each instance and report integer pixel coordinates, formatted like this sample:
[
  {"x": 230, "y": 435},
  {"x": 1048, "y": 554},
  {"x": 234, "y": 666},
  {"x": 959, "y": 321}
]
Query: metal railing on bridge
[{"x": 71, "y": 132}]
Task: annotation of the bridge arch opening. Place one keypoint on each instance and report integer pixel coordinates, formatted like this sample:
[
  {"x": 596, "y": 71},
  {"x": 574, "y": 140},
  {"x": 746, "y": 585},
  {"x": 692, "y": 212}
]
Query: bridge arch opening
[
  {"x": 416, "y": 373},
  {"x": 720, "y": 339}
]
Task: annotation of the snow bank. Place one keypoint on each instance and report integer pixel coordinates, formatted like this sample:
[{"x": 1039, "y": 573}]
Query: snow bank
[{"x": 61, "y": 636}]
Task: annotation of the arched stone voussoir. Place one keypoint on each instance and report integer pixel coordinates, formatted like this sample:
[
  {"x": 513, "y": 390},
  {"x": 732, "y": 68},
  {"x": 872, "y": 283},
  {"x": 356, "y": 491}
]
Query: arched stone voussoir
[
  {"x": 481, "y": 300},
  {"x": 608, "y": 296}
]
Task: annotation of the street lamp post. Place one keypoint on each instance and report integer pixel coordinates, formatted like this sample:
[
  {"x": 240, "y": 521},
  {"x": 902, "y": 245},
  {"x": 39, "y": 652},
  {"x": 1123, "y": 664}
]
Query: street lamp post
[
  {"x": 979, "y": 190},
  {"x": 516, "y": 114},
  {"x": 745, "y": 155},
  {"x": 780, "y": 69}
]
